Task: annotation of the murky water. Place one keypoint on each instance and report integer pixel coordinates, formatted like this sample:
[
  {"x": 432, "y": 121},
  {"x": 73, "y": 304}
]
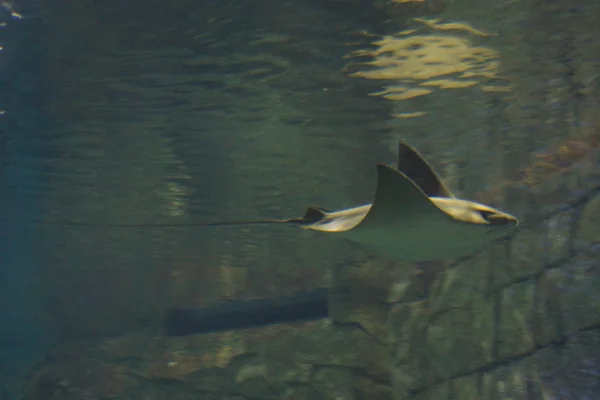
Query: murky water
[
  {"x": 173, "y": 112},
  {"x": 204, "y": 113}
]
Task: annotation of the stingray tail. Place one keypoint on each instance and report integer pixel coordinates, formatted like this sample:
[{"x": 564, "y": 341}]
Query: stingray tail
[
  {"x": 170, "y": 225},
  {"x": 312, "y": 215}
]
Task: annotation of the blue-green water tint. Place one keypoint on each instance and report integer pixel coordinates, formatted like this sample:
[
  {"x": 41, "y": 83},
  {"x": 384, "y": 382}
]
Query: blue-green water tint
[
  {"x": 220, "y": 110},
  {"x": 227, "y": 111},
  {"x": 23, "y": 331}
]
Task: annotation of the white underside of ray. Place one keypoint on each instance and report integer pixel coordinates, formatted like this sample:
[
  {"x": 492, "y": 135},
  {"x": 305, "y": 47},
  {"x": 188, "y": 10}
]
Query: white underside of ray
[
  {"x": 403, "y": 223},
  {"x": 348, "y": 218},
  {"x": 414, "y": 237}
]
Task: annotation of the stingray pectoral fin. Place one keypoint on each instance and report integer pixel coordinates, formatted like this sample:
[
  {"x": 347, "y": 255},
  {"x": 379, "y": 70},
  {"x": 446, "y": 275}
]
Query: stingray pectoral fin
[
  {"x": 397, "y": 201},
  {"x": 413, "y": 165}
]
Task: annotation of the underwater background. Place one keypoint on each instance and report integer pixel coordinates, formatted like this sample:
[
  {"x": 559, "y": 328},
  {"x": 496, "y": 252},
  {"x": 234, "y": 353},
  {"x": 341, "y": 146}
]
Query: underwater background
[{"x": 155, "y": 112}]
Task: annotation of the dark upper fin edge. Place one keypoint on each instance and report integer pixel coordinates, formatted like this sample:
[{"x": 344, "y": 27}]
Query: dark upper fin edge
[{"x": 412, "y": 164}]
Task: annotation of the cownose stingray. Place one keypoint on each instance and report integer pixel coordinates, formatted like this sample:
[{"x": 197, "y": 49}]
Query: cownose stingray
[{"x": 414, "y": 216}]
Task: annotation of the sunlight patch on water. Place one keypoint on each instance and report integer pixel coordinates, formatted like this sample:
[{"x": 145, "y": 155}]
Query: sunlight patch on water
[{"x": 419, "y": 64}]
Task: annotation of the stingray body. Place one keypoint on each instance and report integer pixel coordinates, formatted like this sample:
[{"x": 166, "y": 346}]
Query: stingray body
[
  {"x": 424, "y": 232},
  {"x": 414, "y": 216}
]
